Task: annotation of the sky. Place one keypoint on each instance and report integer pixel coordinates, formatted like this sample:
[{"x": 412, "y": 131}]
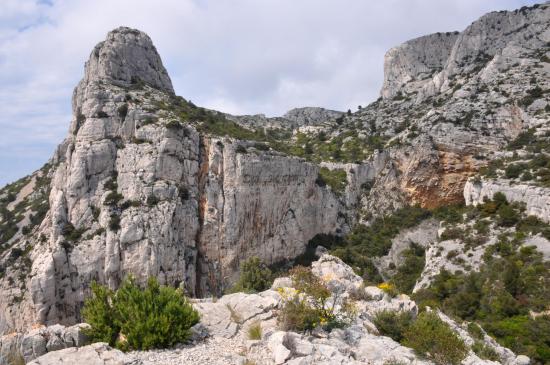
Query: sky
[{"x": 238, "y": 56}]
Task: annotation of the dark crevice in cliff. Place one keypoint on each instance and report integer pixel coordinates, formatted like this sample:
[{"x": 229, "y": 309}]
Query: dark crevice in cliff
[{"x": 200, "y": 263}]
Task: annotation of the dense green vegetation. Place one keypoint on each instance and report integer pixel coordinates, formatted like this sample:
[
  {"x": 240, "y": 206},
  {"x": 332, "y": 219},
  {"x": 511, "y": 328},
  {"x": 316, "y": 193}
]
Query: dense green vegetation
[
  {"x": 512, "y": 282},
  {"x": 336, "y": 179},
  {"x": 393, "y": 323},
  {"x": 428, "y": 335},
  {"x": 409, "y": 271},
  {"x": 134, "y": 318},
  {"x": 365, "y": 242},
  {"x": 254, "y": 277}
]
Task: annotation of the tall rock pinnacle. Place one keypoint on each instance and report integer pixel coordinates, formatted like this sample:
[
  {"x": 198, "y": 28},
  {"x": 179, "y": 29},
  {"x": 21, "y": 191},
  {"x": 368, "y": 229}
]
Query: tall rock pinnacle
[{"x": 126, "y": 56}]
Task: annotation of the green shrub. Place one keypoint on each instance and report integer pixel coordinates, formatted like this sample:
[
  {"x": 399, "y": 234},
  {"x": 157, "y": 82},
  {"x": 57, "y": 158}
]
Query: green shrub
[
  {"x": 475, "y": 331},
  {"x": 431, "y": 337},
  {"x": 71, "y": 233},
  {"x": 408, "y": 273},
  {"x": 507, "y": 216},
  {"x": 393, "y": 323},
  {"x": 112, "y": 198},
  {"x": 511, "y": 283},
  {"x": 255, "y": 276},
  {"x": 240, "y": 149},
  {"x": 152, "y": 200},
  {"x": 514, "y": 170},
  {"x": 336, "y": 179},
  {"x": 133, "y": 318},
  {"x": 298, "y": 315},
  {"x": 522, "y": 140},
  {"x": 114, "y": 222},
  {"x": 122, "y": 111},
  {"x": 98, "y": 313}
]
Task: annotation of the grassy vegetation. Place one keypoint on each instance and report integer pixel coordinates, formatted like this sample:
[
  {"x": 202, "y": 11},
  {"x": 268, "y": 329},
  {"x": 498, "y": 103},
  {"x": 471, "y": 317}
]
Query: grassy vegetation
[{"x": 255, "y": 331}]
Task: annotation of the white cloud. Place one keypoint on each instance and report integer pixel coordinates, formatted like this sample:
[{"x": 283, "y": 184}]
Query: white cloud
[{"x": 240, "y": 56}]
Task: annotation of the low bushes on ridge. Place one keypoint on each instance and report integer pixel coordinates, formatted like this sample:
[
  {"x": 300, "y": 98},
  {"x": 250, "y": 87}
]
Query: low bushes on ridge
[{"x": 427, "y": 334}]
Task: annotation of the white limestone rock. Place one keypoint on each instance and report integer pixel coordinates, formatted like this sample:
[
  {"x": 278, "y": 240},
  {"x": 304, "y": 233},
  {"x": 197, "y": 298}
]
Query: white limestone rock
[{"x": 95, "y": 354}]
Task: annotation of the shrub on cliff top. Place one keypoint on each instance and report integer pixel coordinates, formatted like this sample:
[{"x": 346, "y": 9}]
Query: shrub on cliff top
[{"x": 134, "y": 318}]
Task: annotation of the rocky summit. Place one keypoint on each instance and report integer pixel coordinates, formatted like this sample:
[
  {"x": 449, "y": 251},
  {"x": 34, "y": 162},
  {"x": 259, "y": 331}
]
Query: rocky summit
[{"x": 432, "y": 200}]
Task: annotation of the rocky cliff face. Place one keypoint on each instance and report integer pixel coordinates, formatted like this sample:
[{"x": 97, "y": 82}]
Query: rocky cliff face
[
  {"x": 148, "y": 184},
  {"x": 536, "y": 199},
  {"x": 135, "y": 191},
  {"x": 451, "y": 100}
]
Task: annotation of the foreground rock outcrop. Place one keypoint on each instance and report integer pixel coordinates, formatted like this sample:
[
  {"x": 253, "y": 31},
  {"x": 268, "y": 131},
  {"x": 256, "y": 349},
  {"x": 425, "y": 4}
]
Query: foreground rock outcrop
[
  {"x": 222, "y": 335},
  {"x": 39, "y": 341},
  {"x": 95, "y": 354}
]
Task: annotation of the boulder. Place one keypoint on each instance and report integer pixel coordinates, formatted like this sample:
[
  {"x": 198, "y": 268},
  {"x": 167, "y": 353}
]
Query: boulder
[
  {"x": 95, "y": 354},
  {"x": 338, "y": 276}
]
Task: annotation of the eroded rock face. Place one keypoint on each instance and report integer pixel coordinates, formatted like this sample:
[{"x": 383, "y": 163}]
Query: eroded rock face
[
  {"x": 426, "y": 65},
  {"x": 411, "y": 64},
  {"x": 127, "y": 56},
  {"x": 450, "y": 100}
]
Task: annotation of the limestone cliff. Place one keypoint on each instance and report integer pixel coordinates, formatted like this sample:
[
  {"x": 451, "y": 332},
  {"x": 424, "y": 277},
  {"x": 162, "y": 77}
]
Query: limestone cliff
[
  {"x": 137, "y": 189},
  {"x": 148, "y": 184}
]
